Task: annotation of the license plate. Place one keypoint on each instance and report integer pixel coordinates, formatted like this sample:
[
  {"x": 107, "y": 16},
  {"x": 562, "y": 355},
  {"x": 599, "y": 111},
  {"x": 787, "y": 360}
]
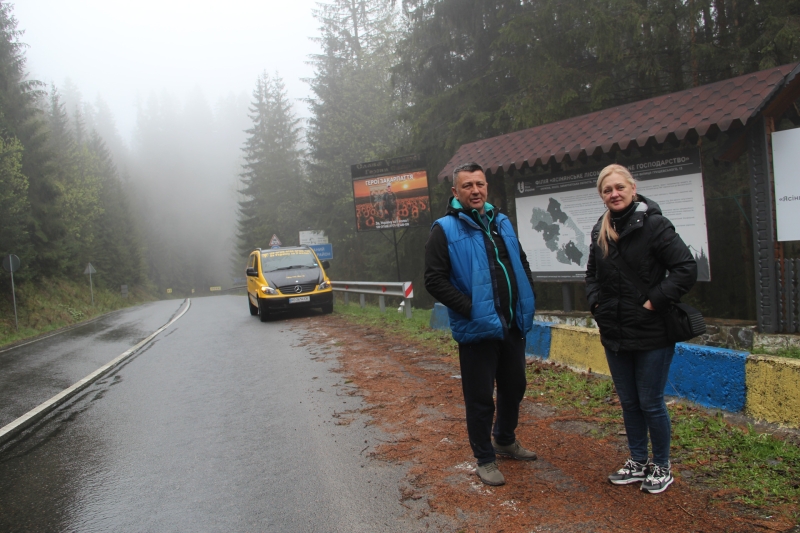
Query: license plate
[{"x": 299, "y": 299}]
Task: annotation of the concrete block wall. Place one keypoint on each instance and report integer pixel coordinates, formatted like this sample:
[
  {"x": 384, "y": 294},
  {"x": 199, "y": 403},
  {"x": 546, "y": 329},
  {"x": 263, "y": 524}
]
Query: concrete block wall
[{"x": 765, "y": 387}]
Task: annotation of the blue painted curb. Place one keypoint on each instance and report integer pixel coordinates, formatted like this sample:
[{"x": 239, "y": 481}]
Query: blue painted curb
[
  {"x": 712, "y": 377},
  {"x": 439, "y": 317},
  {"x": 538, "y": 340}
]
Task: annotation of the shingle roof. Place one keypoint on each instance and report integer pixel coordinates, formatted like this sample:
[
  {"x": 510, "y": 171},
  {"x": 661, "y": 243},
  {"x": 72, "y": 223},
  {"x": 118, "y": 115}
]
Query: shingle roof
[{"x": 726, "y": 104}]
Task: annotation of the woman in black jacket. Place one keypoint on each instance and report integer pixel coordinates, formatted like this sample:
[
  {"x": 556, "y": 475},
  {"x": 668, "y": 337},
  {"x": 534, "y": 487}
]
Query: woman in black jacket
[{"x": 632, "y": 326}]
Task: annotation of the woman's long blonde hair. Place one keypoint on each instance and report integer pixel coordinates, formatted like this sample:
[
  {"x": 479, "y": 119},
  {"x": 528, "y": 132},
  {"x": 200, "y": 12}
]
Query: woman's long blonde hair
[{"x": 607, "y": 230}]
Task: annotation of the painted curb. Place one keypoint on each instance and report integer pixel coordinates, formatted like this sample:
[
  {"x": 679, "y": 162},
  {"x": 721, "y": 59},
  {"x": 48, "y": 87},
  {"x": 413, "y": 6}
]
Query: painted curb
[
  {"x": 712, "y": 377},
  {"x": 773, "y": 389},
  {"x": 11, "y": 430},
  {"x": 765, "y": 387}
]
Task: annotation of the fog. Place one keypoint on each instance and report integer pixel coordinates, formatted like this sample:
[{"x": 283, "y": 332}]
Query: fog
[{"x": 167, "y": 84}]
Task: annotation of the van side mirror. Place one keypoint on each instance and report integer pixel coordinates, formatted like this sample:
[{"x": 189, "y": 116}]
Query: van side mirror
[
  {"x": 326, "y": 265},
  {"x": 251, "y": 271}
]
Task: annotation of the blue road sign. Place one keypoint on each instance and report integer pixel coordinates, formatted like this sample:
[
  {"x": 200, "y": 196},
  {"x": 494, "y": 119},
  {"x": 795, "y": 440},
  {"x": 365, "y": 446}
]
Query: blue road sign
[{"x": 323, "y": 251}]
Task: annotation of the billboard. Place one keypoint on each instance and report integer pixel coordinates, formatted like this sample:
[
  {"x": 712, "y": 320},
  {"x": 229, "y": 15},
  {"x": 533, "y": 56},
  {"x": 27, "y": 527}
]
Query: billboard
[
  {"x": 391, "y": 193},
  {"x": 785, "y": 164},
  {"x": 556, "y": 212}
]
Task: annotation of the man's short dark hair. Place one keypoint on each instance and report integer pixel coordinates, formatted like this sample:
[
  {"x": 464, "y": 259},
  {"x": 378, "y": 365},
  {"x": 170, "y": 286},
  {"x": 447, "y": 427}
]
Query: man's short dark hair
[{"x": 471, "y": 166}]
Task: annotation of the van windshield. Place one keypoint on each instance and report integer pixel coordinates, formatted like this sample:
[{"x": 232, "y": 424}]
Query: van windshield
[{"x": 287, "y": 259}]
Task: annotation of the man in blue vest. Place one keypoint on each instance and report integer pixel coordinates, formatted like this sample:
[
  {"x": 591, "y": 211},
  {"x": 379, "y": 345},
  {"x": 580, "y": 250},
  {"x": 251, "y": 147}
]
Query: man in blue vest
[{"x": 475, "y": 266}]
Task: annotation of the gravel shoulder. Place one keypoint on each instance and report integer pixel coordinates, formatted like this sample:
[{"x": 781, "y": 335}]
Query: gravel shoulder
[{"x": 414, "y": 395}]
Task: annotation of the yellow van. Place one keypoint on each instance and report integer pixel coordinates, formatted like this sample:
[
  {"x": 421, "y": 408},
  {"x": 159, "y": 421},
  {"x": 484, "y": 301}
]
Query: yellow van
[{"x": 280, "y": 279}]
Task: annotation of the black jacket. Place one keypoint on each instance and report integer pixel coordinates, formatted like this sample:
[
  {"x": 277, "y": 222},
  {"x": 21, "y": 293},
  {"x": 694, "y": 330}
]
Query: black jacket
[
  {"x": 649, "y": 244},
  {"x": 437, "y": 269}
]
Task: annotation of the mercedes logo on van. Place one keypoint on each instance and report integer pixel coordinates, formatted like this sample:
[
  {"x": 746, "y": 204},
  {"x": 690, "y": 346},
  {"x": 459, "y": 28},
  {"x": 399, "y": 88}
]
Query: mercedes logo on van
[{"x": 298, "y": 289}]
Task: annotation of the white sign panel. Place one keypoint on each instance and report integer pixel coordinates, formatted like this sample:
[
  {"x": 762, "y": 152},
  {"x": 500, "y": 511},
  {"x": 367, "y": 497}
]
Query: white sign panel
[
  {"x": 313, "y": 237},
  {"x": 786, "y": 165},
  {"x": 556, "y": 213}
]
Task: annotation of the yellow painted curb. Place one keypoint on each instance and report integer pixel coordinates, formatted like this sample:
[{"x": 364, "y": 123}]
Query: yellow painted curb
[
  {"x": 772, "y": 391},
  {"x": 578, "y": 348}
]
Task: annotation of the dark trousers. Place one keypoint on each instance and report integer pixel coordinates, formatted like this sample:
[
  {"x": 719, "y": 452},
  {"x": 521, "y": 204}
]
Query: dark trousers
[
  {"x": 640, "y": 378},
  {"x": 482, "y": 364}
]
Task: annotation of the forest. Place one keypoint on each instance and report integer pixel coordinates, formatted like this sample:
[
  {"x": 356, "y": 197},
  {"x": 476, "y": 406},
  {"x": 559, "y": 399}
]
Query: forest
[{"x": 392, "y": 78}]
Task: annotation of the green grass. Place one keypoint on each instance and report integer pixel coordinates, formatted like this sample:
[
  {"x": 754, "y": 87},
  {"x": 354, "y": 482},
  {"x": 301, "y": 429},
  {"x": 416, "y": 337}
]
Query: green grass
[
  {"x": 416, "y": 328},
  {"x": 588, "y": 394},
  {"x": 791, "y": 352},
  {"x": 759, "y": 470},
  {"x": 765, "y": 470},
  {"x": 48, "y": 305}
]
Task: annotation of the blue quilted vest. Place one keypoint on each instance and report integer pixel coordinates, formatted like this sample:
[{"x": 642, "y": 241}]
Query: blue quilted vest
[{"x": 471, "y": 273}]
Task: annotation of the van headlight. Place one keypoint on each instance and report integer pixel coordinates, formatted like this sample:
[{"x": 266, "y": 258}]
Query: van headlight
[
  {"x": 268, "y": 290},
  {"x": 324, "y": 285}
]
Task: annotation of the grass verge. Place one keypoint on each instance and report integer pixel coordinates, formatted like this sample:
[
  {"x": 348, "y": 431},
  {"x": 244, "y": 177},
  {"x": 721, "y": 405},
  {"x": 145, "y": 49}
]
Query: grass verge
[
  {"x": 759, "y": 470},
  {"x": 48, "y": 305},
  {"x": 791, "y": 353}
]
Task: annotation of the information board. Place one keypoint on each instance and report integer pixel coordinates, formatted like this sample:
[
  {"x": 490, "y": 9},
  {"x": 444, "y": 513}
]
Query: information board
[
  {"x": 391, "y": 193},
  {"x": 556, "y": 212},
  {"x": 786, "y": 166}
]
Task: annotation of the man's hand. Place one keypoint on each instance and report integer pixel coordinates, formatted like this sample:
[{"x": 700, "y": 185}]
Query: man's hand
[{"x": 648, "y": 305}]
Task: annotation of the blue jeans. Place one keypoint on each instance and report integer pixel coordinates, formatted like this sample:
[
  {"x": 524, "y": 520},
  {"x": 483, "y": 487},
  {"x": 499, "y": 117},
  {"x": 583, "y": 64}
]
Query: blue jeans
[{"x": 640, "y": 378}]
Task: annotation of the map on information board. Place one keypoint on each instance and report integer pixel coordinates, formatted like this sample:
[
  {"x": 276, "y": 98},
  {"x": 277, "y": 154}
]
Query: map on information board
[{"x": 556, "y": 212}]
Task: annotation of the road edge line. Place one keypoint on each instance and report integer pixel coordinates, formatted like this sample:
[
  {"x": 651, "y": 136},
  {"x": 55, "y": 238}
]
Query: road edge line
[{"x": 12, "y": 429}]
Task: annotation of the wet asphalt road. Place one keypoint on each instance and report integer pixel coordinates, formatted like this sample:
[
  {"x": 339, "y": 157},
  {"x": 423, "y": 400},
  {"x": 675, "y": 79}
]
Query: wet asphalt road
[
  {"x": 221, "y": 423},
  {"x": 38, "y": 370}
]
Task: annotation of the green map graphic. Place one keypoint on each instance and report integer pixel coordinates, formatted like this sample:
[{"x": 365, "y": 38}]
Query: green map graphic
[{"x": 556, "y": 227}]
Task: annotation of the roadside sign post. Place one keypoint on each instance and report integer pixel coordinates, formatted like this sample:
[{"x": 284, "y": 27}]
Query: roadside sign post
[
  {"x": 11, "y": 264},
  {"x": 90, "y": 270}
]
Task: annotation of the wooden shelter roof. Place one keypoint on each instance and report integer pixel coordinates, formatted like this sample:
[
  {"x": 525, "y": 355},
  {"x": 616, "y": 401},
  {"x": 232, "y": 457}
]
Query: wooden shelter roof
[{"x": 720, "y": 106}]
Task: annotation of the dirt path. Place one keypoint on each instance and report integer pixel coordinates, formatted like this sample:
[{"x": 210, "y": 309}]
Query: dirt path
[{"x": 415, "y": 396}]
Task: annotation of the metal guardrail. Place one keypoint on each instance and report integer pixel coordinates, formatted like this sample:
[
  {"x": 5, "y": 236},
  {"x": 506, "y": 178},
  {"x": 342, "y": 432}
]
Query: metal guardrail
[{"x": 402, "y": 289}]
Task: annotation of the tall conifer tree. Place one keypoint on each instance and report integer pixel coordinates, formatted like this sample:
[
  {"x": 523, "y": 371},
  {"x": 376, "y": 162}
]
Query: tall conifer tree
[{"x": 272, "y": 180}]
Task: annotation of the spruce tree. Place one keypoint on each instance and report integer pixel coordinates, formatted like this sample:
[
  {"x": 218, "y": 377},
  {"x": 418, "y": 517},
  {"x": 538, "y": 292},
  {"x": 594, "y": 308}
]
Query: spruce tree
[
  {"x": 22, "y": 130},
  {"x": 272, "y": 180},
  {"x": 355, "y": 117}
]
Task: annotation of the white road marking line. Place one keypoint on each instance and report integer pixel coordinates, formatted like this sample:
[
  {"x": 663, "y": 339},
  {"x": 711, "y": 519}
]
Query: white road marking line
[{"x": 10, "y": 430}]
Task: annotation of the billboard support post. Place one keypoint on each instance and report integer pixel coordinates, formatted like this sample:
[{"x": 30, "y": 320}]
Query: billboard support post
[{"x": 396, "y": 255}]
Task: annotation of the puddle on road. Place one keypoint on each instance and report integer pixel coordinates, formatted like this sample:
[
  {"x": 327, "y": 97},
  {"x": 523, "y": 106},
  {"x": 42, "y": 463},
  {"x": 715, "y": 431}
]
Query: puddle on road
[{"x": 126, "y": 332}]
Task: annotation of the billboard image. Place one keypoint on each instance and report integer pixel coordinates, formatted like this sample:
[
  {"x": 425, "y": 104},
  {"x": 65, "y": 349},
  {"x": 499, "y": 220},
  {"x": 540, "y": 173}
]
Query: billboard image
[
  {"x": 393, "y": 200},
  {"x": 556, "y": 213}
]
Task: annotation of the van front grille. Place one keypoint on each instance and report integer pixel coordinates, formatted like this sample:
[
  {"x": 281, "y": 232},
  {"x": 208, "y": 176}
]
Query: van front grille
[{"x": 292, "y": 289}]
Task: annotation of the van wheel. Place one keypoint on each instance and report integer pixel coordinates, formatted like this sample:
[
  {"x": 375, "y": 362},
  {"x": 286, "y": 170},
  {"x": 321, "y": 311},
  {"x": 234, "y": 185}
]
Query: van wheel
[
  {"x": 253, "y": 308},
  {"x": 327, "y": 308},
  {"x": 262, "y": 311}
]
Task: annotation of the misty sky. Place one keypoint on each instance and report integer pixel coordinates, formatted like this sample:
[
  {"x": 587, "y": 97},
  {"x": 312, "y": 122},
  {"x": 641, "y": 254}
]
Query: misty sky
[{"x": 124, "y": 50}]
